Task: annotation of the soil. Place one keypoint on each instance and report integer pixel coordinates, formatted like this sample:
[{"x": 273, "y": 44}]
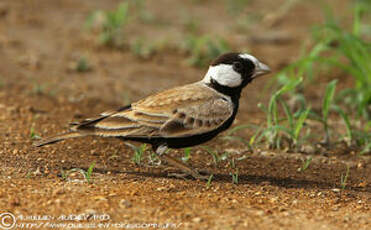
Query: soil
[{"x": 39, "y": 42}]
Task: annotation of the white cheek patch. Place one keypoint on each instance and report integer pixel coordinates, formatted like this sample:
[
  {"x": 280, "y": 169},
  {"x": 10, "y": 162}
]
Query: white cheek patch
[{"x": 224, "y": 75}]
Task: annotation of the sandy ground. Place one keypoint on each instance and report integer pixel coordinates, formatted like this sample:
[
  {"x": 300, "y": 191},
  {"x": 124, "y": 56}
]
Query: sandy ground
[{"x": 40, "y": 40}]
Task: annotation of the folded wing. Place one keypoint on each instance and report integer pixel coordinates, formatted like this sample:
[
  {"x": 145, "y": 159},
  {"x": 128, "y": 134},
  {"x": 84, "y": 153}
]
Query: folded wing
[{"x": 179, "y": 112}]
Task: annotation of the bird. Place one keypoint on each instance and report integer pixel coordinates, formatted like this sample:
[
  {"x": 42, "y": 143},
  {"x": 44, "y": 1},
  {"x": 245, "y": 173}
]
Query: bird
[{"x": 180, "y": 117}]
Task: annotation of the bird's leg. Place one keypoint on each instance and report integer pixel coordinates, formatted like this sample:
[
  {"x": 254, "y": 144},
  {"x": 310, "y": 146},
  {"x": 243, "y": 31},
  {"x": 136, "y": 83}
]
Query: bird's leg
[{"x": 161, "y": 152}]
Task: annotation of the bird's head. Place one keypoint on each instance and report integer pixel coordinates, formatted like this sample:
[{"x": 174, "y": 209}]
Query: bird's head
[{"x": 234, "y": 70}]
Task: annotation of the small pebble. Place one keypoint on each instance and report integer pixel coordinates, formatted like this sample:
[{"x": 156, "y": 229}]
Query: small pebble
[
  {"x": 197, "y": 219},
  {"x": 125, "y": 204},
  {"x": 58, "y": 191}
]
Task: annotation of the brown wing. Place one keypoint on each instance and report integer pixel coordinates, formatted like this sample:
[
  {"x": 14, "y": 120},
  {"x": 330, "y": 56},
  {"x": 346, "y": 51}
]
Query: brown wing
[{"x": 179, "y": 112}]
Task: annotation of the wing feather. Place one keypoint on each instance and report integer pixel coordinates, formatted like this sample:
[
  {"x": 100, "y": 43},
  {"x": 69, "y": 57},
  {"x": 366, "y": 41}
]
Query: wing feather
[
  {"x": 179, "y": 112},
  {"x": 197, "y": 119}
]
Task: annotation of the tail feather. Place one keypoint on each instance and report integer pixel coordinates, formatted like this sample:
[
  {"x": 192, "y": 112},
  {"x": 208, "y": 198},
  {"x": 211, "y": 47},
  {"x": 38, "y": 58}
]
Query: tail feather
[
  {"x": 60, "y": 137},
  {"x": 81, "y": 129}
]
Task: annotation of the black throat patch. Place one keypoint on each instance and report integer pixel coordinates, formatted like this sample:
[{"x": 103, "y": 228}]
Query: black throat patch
[{"x": 234, "y": 93}]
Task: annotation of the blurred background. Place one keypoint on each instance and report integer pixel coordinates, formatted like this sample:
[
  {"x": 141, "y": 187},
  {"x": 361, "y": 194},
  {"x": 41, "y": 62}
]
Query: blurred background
[
  {"x": 109, "y": 53},
  {"x": 307, "y": 123}
]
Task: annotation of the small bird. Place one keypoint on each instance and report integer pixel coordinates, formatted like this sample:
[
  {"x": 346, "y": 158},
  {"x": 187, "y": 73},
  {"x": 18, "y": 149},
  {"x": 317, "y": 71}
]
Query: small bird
[{"x": 179, "y": 117}]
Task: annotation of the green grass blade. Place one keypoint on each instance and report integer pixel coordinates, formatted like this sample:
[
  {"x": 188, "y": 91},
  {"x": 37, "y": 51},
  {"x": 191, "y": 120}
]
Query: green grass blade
[
  {"x": 347, "y": 124},
  {"x": 366, "y": 149},
  {"x": 208, "y": 184},
  {"x": 272, "y": 107},
  {"x": 284, "y": 129},
  {"x": 213, "y": 153},
  {"x": 329, "y": 95},
  {"x": 300, "y": 122},
  {"x": 253, "y": 138},
  {"x": 89, "y": 172},
  {"x": 121, "y": 15},
  {"x": 187, "y": 154},
  {"x": 288, "y": 114}
]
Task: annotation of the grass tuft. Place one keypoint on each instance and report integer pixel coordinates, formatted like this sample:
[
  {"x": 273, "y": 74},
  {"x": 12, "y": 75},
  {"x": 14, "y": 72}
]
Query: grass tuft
[
  {"x": 138, "y": 153},
  {"x": 306, "y": 164},
  {"x": 203, "y": 49},
  {"x": 217, "y": 158},
  {"x": 344, "y": 179},
  {"x": 142, "y": 49},
  {"x": 110, "y": 25},
  {"x": 82, "y": 65},
  {"x": 187, "y": 154},
  {"x": 86, "y": 174},
  {"x": 287, "y": 128},
  {"x": 208, "y": 184},
  {"x": 327, "y": 101},
  {"x": 235, "y": 177},
  {"x": 33, "y": 134}
]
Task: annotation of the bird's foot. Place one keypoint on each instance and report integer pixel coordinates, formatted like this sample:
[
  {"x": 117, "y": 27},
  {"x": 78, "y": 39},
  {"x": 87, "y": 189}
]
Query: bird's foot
[{"x": 186, "y": 170}]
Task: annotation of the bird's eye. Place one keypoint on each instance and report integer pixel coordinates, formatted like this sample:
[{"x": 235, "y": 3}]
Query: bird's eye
[{"x": 237, "y": 66}]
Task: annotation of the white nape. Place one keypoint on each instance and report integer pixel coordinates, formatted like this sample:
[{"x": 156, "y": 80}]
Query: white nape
[{"x": 224, "y": 75}]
